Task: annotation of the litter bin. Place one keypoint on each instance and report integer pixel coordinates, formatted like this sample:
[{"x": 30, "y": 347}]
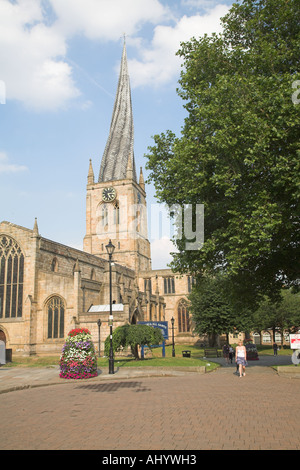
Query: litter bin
[{"x": 186, "y": 353}]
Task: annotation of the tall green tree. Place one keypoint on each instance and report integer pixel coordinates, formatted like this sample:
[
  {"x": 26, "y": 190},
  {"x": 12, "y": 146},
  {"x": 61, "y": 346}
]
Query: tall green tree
[
  {"x": 215, "y": 311},
  {"x": 239, "y": 153}
]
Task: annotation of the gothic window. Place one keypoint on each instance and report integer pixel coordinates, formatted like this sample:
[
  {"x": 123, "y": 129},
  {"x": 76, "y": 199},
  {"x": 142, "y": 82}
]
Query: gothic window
[
  {"x": 169, "y": 285},
  {"x": 56, "y": 317},
  {"x": 151, "y": 312},
  {"x": 11, "y": 278},
  {"x": 116, "y": 214},
  {"x": 104, "y": 216},
  {"x": 191, "y": 282},
  {"x": 147, "y": 285},
  {"x": 183, "y": 317},
  {"x": 54, "y": 265}
]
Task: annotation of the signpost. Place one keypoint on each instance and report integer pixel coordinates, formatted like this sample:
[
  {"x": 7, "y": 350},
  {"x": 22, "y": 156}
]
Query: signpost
[{"x": 163, "y": 326}]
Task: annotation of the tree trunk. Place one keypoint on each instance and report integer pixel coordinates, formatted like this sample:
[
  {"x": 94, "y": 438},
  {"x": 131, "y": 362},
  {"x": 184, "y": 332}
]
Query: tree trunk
[
  {"x": 212, "y": 340},
  {"x": 135, "y": 352}
]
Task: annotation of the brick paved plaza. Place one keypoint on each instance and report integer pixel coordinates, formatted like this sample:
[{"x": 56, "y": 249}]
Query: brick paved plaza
[{"x": 192, "y": 412}]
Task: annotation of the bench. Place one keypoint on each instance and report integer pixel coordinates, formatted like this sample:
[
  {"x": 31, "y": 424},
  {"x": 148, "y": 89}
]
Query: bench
[{"x": 211, "y": 352}]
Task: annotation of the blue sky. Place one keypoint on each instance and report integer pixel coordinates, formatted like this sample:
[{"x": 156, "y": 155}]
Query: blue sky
[{"x": 59, "y": 65}]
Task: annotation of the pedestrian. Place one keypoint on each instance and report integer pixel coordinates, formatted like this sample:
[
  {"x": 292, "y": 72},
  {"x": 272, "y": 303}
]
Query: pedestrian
[
  {"x": 226, "y": 353},
  {"x": 275, "y": 347},
  {"x": 241, "y": 358},
  {"x": 231, "y": 353}
]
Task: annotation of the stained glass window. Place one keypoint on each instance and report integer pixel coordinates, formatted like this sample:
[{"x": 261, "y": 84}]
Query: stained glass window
[
  {"x": 183, "y": 317},
  {"x": 11, "y": 278},
  {"x": 169, "y": 285},
  {"x": 56, "y": 317}
]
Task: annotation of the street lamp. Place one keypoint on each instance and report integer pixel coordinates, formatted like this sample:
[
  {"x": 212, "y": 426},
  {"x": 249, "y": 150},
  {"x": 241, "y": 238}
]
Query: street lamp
[
  {"x": 173, "y": 342},
  {"x": 99, "y": 325},
  {"x": 110, "y": 249}
]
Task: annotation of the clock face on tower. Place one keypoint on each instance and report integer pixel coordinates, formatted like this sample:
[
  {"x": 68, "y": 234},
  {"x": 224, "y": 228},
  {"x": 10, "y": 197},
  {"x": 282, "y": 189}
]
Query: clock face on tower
[{"x": 109, "y": 194}]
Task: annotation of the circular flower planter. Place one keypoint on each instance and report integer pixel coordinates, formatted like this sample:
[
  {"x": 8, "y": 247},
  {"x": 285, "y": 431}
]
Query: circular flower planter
[{"x": 78, "y": 358}]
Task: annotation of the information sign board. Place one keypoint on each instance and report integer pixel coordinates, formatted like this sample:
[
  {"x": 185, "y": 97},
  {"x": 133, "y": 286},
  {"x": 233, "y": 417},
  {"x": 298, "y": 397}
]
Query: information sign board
[
  {"x": 162, "y": 325},
  {"x": 295, "y": 341}
]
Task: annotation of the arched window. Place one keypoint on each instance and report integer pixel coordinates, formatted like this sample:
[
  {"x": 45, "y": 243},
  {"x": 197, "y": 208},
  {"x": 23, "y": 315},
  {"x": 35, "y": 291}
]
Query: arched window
[
  {"x": 266, "y": 337},
  {"x": 54, "y": 265},
  {"x": 116, "y": 214},
  {"x": 56, "y": 317},
  {"x": 104, "y": 216},
  {"x": 11, "y": 278},
  {"x": 183, "y": 317}
]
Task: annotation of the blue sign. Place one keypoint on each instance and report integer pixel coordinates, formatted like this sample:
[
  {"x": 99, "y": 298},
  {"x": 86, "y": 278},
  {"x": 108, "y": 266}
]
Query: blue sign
[{"x": 162, "y": 325}]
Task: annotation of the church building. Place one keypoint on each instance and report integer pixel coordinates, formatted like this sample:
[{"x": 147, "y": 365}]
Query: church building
[{"x": 47, "y": 288}]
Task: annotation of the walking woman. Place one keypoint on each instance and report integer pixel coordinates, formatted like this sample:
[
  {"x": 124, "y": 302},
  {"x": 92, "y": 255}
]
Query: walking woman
[{"x": 241, "y": 358}]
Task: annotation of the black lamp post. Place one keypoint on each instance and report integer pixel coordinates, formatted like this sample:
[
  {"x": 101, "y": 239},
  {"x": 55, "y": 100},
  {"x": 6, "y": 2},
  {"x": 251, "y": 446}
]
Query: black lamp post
[
  {"x": 173, "y": 342},
  {"x": 110, "y": 249},
  {"x": 99, "y": 325}
]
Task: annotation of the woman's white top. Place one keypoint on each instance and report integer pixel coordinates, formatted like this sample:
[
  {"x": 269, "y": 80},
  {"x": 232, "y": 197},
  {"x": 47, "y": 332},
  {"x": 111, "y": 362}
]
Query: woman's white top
[{"x": 241, "y": 352}]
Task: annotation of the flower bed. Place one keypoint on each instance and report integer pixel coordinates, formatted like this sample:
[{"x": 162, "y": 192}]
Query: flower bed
[
  {"x": 78, "y": 359},
  {"x": 252, "y": 354}
]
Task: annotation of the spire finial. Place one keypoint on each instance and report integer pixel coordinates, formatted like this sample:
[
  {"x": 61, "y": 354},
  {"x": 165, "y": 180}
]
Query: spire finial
[
  {"x": 141, "y": 180},
  {"x": 35, "y": 228},
  {"x": 91, "y": 173}
]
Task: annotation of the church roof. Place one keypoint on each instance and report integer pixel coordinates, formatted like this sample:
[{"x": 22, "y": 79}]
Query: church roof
[{"x": 118, "y": 154}]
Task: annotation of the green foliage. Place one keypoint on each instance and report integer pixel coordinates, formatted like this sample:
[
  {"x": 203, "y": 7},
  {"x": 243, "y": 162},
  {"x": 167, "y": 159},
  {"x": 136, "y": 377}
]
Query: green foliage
[
  {"x": 215, "y": 310},
  {"x": 133, "y": 336},
  {"x": 239, "y": 150},
  {"x": 284, "y": 315}
]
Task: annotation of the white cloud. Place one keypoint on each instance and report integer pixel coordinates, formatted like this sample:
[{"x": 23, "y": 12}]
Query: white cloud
[
  {"x": 33, "y": 42},
  {"x": 31, "y": 57},
  {"x": 159, "y": 64},
  {"x": 7, "y": 167},
  {"x": 106, "y": 19},
  {"x": 160, "y": 252},
  {"x": 34, "y": 39}
]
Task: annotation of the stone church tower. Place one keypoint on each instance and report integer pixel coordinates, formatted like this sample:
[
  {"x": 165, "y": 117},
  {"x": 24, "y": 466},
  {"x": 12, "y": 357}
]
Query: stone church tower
[{"x": 116, "y": 203}]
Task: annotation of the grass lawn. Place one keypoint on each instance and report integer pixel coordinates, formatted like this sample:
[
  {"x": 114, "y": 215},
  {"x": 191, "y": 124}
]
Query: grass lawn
[
  {"x": 156, "y": 360},
  {"x": 265, "y": 350}
]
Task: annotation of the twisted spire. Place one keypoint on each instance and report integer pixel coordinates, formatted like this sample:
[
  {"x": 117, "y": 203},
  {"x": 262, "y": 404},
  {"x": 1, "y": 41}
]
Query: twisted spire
[{"x": 119, "y": 146}]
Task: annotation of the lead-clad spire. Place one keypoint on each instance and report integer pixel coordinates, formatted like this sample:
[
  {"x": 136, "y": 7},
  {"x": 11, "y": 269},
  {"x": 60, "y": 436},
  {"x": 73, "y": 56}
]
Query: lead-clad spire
[{"x": 119, "y": 146}]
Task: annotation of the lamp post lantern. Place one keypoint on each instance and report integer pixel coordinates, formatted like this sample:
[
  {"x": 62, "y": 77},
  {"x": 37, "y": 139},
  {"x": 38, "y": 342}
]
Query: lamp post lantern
[
  {"x": 110, "y": 249},
  {"x": 99, "y": 325},
  {"x": 173, "y": 342}
]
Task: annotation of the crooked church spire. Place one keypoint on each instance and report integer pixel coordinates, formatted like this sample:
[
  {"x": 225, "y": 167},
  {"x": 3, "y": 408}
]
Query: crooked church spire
[{"x": 119, "y": 146}]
